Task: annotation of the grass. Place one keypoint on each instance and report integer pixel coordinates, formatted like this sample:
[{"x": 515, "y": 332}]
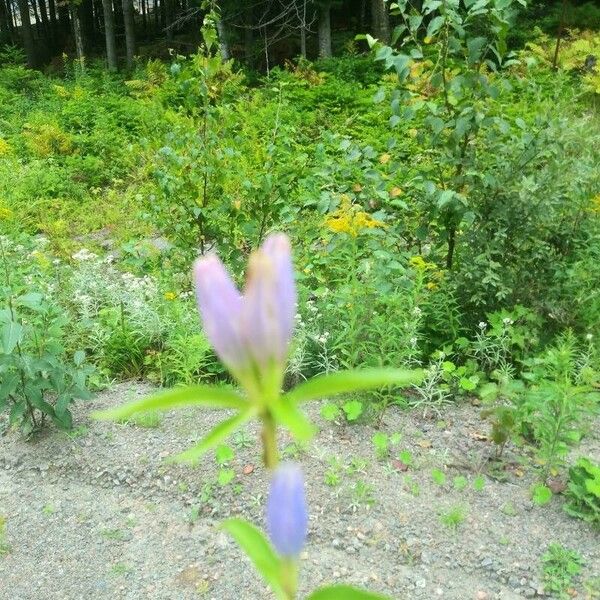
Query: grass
[
  {"x": 453, "y": 517},
  {"x": 4, "y": 545}
]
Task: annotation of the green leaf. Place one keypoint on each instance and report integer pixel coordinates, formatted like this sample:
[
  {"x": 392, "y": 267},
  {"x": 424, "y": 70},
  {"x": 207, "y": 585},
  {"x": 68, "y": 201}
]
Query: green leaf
[
  {"x": 342, "y": 382},
  {"x": 288, "y": 415},
  {"x": 345, "y": 592},
  {"x": 79, "y": 358},
  {"x": 541, "y": 495},
  {"x": 222, "y": 431},
  {"x": 435, "y": 25},
  {"x": 254, "y": 543},
  {"x": 203, "y": 395},
  {"x": 353, "y": 409},
  {"x": 31, "y": 300},
  {"x": 9, "y": 385},
  {"x": 12, "y": 334}
]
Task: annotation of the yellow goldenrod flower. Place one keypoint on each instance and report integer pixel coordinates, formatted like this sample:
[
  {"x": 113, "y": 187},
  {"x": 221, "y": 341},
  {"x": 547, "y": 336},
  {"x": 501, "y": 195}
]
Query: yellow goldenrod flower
[
  {"x": 5, "y": 147},
  {"x": 170, "y": 295},
  {"x": 350, "y": 219},
  {"x": 5, "y": 212}
]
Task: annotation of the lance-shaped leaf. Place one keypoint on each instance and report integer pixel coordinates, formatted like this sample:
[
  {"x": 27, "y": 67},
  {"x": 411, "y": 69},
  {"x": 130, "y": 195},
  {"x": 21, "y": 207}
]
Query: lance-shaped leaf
[
  {"x": 222, "y": 431},
  {"x": 197, "y": 395},
  {"x": 345, "y": 592},
  {"x": 253, "y": 542},
  {"x": 342, "y": 382},
  {"x": 287, "y": 414}
]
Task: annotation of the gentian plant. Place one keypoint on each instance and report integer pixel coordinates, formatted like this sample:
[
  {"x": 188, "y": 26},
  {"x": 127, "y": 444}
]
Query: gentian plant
[{"x": 251, "y": 334}]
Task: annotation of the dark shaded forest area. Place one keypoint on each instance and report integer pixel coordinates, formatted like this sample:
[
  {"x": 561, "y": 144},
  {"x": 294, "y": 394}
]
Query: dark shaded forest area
[{"x": 262, "y": 33}]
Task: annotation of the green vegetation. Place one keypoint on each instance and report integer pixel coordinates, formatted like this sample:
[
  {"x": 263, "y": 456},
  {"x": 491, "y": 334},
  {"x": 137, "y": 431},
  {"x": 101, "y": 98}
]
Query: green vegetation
[
  {"x": 438, "y": 179},
  {"x": 583, "y": 491},
  {"x": 560, "y": 567}
]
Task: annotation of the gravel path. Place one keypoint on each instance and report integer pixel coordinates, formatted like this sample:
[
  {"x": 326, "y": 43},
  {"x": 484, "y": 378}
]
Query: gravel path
[{"x": 98, "y": 514}]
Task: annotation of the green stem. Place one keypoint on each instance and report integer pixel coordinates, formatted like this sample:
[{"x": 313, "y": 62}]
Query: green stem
[
  {"x": 289, "y": 578},
  {"x": 269, "y": 439}
]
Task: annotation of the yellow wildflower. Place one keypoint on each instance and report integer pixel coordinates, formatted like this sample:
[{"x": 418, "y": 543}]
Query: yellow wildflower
[
  {"x": 61, "y": 91},
  {"x": 395, "y": 192},
  {"x": 431, "y": 286},
  {"x": 42, "y": 260},
  {"x": 596, "y": 203},
  {"x": 350, "y": 219},
  {"x": 4, "y": 147},
  {"x": 384, "y": 159},
  {"x": 170, "y": 295},
  {"x": 418, "y": 262}
]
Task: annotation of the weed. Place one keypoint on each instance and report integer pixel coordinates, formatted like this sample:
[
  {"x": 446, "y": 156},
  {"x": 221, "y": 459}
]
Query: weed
[
  {"x": 4, "y": 545},
  {"x": 479, "y": 483},
  {"x": 460, "y": 482},
  {"x": 453, "y": 517},
  {"x": 438, "y": 476},
  {"x": 560, "y": 568}
]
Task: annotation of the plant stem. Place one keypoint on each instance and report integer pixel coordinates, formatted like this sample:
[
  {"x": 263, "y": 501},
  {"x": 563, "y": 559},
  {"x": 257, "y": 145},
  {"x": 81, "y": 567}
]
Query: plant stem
[
  {"x": 269, "y": 439},
  {"x": 289, "y": 577}
]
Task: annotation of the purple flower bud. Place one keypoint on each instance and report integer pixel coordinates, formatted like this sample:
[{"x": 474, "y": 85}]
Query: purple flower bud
[
  {"x": 270, "y": 301},
  {"x": 287, "y": 513},
  {"x": 250, "y": 333},
  {"x": 220, "y": 306}
]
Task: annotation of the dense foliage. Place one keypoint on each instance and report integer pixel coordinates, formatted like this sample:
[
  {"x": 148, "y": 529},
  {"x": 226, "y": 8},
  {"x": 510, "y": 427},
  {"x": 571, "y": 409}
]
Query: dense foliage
[{"x": 442, "y": 194}]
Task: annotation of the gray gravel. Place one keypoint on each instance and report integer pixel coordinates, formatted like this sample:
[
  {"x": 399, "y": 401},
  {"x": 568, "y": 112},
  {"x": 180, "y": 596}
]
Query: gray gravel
[{"x": 98, "y": 514}]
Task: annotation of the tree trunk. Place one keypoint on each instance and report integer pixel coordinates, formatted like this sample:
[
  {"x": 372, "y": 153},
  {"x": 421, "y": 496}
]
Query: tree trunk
[
  {"x": 53, "y": 23},
  {"x": 109, "y": 35},
  {"x": 78, "y": 34},
  {"x": 380, "y": 21},
  {"x": 168, "y": 15},
  {"x": 38, "y": 21},
  {"x": 5, "y": 29},
  {"x": 27, "y": 33},
  {"x": 249, "y": 35},
  {"x": 45, "y": 22},
  {"x": 325, "y": 31},
  {"x": 64, "y": 19},
  {"x": 303, "y": 31},
  {"x": 129, "y": 31},
  {"x": 224, "y": 44},
  {"x": 144, "y": 17}
]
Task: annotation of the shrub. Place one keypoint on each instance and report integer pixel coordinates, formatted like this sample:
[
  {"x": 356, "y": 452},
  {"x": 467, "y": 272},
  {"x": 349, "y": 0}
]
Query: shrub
[{"x": 583, "y": 491}]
